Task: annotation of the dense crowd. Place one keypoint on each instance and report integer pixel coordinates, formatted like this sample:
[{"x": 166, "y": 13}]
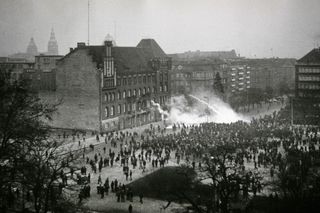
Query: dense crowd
[{"x": 263, "y": 142}]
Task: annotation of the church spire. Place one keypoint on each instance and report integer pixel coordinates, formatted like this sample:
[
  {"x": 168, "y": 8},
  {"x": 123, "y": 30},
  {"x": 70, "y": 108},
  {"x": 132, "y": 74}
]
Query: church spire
[
  {"x": 52, "y": 44},
  {"x": 52, "y": 36}
]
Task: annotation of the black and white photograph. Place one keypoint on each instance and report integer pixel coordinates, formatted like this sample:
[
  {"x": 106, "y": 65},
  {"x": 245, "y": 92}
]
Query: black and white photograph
[{"x": 159, "y": 106}]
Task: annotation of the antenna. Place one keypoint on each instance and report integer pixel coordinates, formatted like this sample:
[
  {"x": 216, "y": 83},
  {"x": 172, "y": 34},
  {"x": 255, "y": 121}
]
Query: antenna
[{"x": 88, "y": 22}]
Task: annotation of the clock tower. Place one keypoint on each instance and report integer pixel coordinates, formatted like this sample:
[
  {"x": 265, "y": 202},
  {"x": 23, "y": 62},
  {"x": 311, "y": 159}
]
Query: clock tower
[{"x": 52, "y": 44}]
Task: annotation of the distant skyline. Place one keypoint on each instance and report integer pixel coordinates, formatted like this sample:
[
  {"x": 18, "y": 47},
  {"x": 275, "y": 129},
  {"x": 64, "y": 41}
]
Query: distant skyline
[{"x": 254, "y": 28}]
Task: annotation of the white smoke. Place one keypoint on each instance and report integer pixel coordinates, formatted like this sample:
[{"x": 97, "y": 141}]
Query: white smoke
[
  {"x": 199, "y": 108},
  {"x": 164, "y": 114}
]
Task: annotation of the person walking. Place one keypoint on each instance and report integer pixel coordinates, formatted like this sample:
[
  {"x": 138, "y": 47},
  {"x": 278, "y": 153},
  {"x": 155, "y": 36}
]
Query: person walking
[
  {"x": 141, "y": 197},
  {"x": 130, "y": 208}
]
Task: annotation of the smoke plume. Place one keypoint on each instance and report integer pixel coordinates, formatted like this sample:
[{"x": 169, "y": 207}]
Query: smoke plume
[{"x": 199, "y": 108}]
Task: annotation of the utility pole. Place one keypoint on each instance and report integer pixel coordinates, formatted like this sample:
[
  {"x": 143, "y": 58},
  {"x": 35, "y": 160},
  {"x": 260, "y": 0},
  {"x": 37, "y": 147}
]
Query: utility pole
[{"x": 88, "y": 22}]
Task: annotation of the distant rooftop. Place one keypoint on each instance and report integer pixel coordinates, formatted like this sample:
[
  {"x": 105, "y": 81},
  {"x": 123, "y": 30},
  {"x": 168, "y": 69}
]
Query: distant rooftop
[{"x": 313, "y": 57}]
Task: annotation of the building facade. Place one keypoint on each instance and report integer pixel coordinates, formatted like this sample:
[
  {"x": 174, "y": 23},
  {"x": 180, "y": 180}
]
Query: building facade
[
  {"x": 272, "y": 73},
  {"x": 43, "y": 75},
  {"x": 108, "y": 88},
  {"x": 15, "y": 67},
  {"x": 197, "y": 76},
  {"x": 306, "y": 104},
  {"x": 239, "y": 78},
  {"x": 200, "y": 55}
]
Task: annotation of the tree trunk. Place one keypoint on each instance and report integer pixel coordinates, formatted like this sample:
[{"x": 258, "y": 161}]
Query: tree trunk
[{"x": 224, "y": 206}]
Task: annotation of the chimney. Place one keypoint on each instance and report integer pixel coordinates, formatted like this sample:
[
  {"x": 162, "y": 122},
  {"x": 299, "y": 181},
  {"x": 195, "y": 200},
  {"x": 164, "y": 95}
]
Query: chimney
[{"x": 81, "y": 44}]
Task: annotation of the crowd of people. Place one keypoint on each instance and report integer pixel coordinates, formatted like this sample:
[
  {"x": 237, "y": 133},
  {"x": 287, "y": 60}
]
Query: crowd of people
[{"x": 263, "y": 142}]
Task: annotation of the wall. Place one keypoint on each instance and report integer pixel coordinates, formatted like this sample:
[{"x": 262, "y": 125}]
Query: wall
[{"x": 77, "y": 84}]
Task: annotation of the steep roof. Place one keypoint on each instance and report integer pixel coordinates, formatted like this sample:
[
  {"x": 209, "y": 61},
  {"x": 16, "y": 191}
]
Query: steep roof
[
  {"x": 131, "y": 58},
  {"x": 126, "y": 58},
  {"x": 313, "y": 57},
  {"x": 152, "y": 48}
]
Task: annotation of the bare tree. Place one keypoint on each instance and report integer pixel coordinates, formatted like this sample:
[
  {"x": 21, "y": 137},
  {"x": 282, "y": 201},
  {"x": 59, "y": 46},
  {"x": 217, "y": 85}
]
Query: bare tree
[{"x": 29, "y": 160}]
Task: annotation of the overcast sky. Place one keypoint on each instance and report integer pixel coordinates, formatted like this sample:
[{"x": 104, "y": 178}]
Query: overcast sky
[{"x": 254, "y": 28}]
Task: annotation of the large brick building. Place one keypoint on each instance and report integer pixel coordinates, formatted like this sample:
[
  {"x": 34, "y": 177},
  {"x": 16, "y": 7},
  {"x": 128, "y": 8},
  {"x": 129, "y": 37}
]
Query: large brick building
[
  {"x": 306, "y": 104},
  {"x": 107, "y": 87}
]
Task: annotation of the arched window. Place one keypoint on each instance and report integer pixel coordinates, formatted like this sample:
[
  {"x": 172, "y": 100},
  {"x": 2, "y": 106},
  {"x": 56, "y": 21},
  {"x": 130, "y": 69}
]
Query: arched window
[
  {"x": 139, "y": 92},
  {"x": 144, "y": 91},
  {"x": 134, "y": 92},
  {"x": 124, "y": 108},
  {"x": 165, "y": 88},
  {"x": 148, "y": 89},
  {"x": 119, "y": 95},
  {"x": 124, "y": 94},
  {"x": 129, "y": 93},
  {"x": 106, "y": 97},
  {"x": 119, "y": 109},
  {"x": 112, "y": 111},
  {"x": 106, "y": 112}
]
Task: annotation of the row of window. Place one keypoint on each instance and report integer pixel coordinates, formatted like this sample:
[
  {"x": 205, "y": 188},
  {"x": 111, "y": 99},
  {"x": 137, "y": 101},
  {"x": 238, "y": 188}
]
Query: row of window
[
  {"x": 131, "y": 121},
  {"x": 240, "y": 88},
  {"x": 309, "y": 70},
  {"x": 121, "y": 109},
  {"x": 128, "y": 93},
  {"x": 140, "y": 79},
  {"x": 308, "y": 95},
  {"x": 202, "y": 74},
  {"x": 309, "y": 78},
  {"x": 181, "y": 83},
  {"x": 181, "y": 75},
  {"x": 308, "y": 86},
  {"x": 240, "y": 83},
  {"x": 132, "y": 107},
  {"x": 15, "y": 66}
]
